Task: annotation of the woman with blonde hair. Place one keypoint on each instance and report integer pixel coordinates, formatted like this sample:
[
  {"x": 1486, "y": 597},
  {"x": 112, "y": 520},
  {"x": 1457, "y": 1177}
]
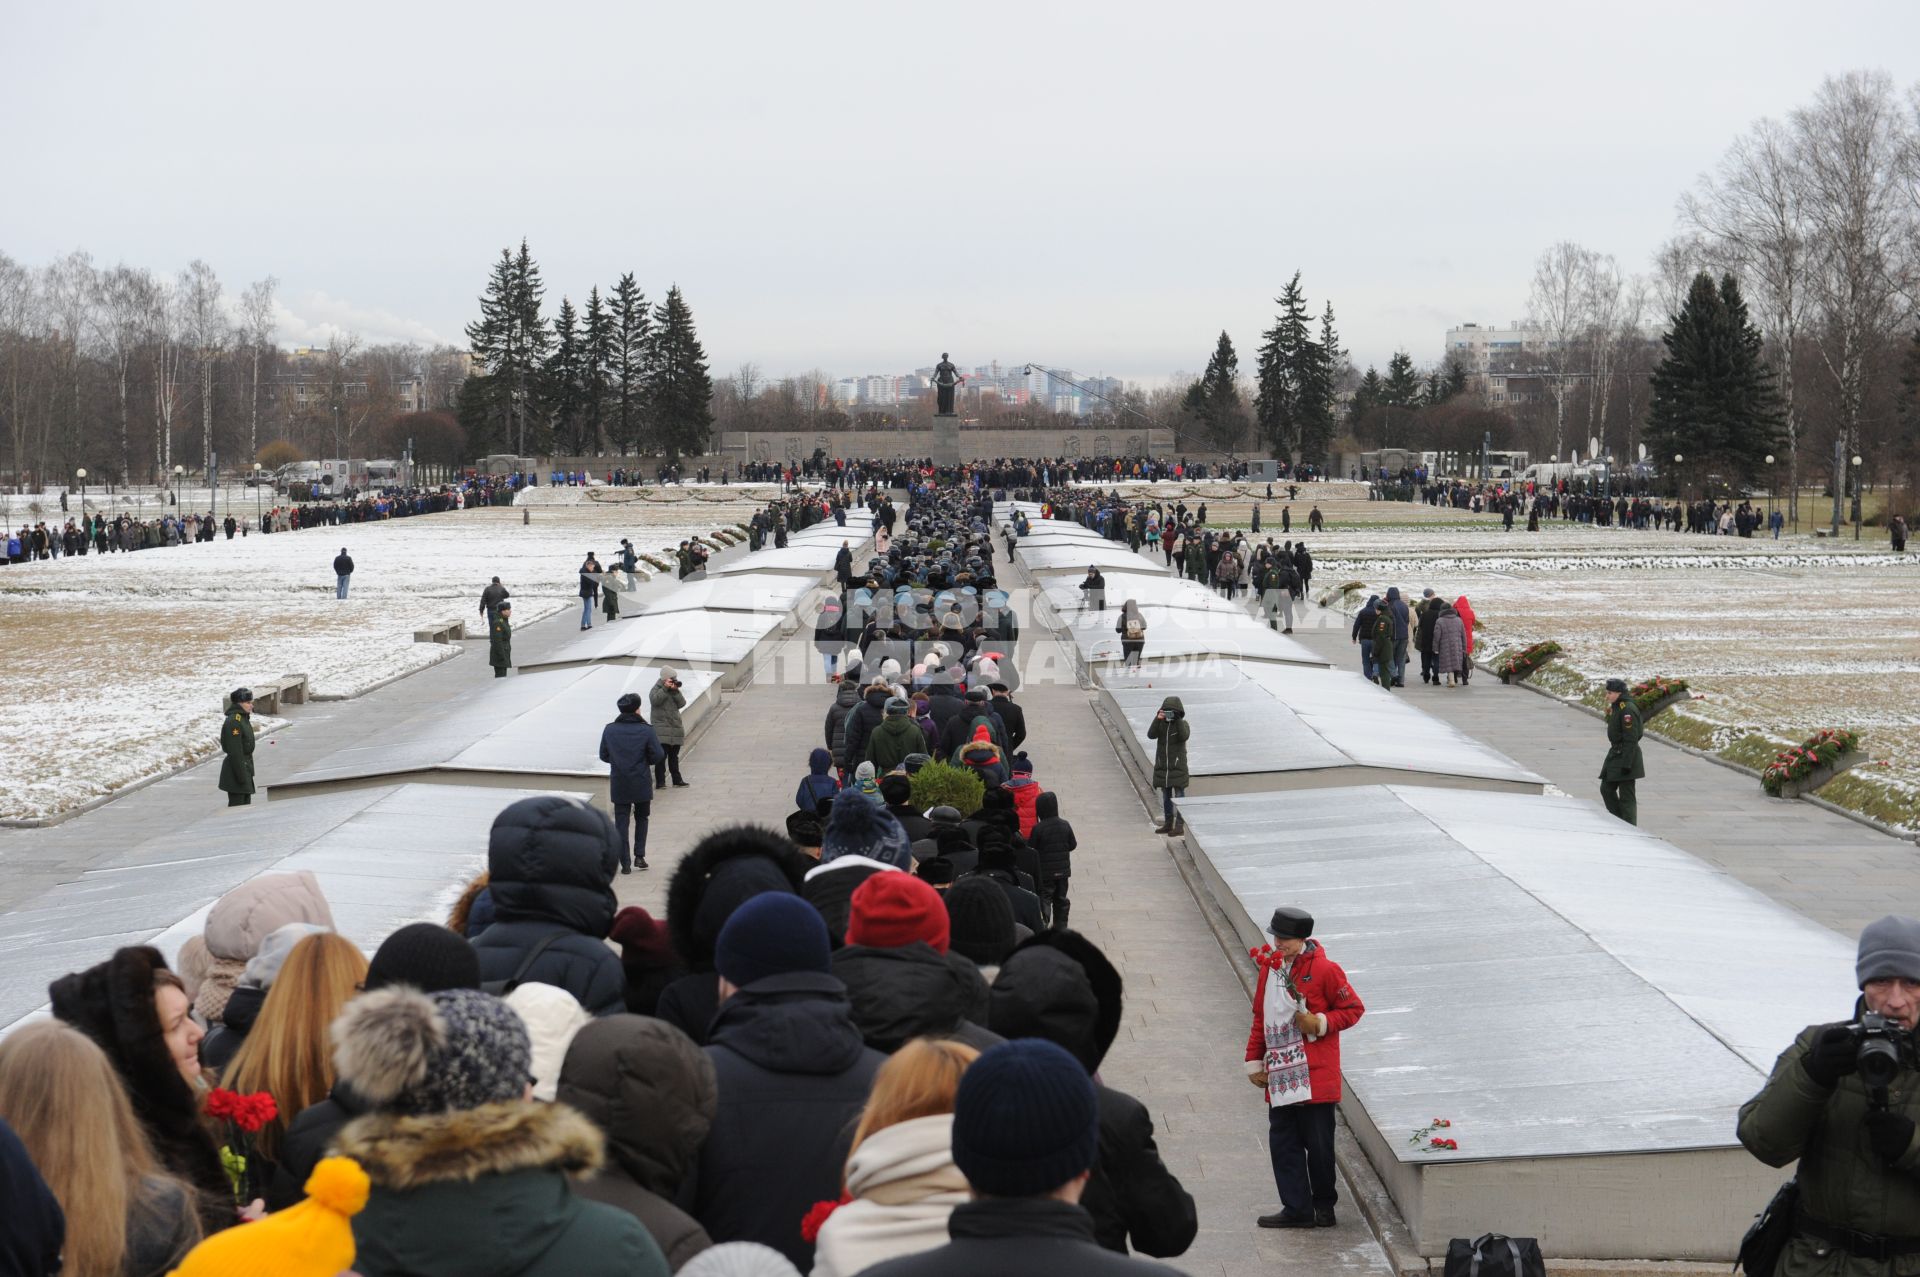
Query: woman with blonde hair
[
  {"x": 288, "y": 1053},
  {"x": 59, "y": 1092},
  {"x": 900, "y": 1175}
]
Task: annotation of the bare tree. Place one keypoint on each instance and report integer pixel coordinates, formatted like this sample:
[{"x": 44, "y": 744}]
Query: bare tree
[
  {"x": 166, "y": 322},
  {"x": 206, "y": 333},
  {"x": 1603, "y": 300},
  {"x": 1557, "y": 305},
  {"x": 1751, "y": 215},
  {"x": 1854, "y": 146},
  {"x": 69, "y": 287},
  {"x": 128, "y": 296},
  {"x": 257, "y": 328},
  {"x": 1675, "y": 263},
  {"x": 20, "y": 325}
]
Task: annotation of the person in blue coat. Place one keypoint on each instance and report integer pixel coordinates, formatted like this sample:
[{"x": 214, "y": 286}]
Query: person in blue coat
[{"x": 630, "y": 750}]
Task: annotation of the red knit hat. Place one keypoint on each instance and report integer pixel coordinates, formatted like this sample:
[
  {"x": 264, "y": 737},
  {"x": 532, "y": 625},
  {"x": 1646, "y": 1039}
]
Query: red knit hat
[
  {"x": 982, "y": 733},
  {"x": 892, "y": 910}
]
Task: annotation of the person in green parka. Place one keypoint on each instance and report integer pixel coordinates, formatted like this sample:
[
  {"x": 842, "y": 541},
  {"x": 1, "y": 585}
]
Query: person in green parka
[
  {"x": 1169, "y": 732},
  {"x": 1383, "y": 663},
  {"x": 468, "y": 1173},
  {"x": 1624, "y": 765},
  {"x": 609, "y": 598},
  {"x": 236, "y": 742},
  {"x": 1196, "y": 556},
  {"x": 1851, "y": 1133},
  {"x": 500, "y": 640}
]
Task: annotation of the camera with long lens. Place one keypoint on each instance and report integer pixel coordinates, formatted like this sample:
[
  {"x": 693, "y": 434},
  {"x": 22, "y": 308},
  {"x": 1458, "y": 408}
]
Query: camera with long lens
[{"x": 1877, "y": 1043}]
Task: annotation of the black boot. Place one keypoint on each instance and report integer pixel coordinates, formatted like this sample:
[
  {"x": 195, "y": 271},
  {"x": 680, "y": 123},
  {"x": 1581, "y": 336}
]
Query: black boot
[{"x": 1285, "y": 1219}]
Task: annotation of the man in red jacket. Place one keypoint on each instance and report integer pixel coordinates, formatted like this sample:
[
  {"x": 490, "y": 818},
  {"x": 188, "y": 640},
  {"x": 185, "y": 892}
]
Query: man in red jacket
[{"x": 1300, "y": 1007}]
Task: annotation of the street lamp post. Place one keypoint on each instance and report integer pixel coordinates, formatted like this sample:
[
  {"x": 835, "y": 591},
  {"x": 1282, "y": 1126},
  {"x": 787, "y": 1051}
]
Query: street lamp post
[
  {"x": 1856, "y": 496},
  {"x": 179, "y": 485},
  {"x": 256, "y": 495},
  {"x": 1679, "y": 489},
  {"x": 1773, "y": 482},
  {"x": 81, "y": 475}
]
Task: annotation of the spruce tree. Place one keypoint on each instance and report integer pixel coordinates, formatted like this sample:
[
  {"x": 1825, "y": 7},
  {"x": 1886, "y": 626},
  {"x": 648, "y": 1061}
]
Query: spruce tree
[
  {"x": 680, "y": 390},
  {"x": 1327, "y": 361},
  {"x": 1456, "y": 378},
  {"x": 596, "y": 365},
  {"x": 632, "y": 339},
  {"x": 1218, "y": 404},
  {"x": 531, "y": 333},
  {"x": 1714, "y": 397},
  {"x": 1402, "y": 386},
  {"x": 1277, "y": 405},
  {"x": 562, "y": 381},
  {"x": 1367, "y": 396},
  {"x": 486, "y": 403}
]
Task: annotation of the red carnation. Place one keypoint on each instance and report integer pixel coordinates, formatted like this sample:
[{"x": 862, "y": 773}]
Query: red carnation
[
  {"x": 816, "y": 1216},
  {"x": 221, "y": 1102}
]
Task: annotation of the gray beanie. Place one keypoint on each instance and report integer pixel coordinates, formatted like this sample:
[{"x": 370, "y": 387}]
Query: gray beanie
[
  {"x": 1889, "y": 948},
  {"x": 410, "y": 1052},
  {"x": 264, "y": 967}
]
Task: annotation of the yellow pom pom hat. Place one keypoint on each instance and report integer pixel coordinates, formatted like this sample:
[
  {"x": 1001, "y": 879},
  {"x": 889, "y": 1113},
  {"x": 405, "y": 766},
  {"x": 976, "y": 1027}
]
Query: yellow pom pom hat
[{"x": 312, "y": 1239}]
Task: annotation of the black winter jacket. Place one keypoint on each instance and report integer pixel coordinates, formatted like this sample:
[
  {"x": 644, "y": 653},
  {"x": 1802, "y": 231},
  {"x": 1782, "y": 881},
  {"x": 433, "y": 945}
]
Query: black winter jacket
[
  {"x": 845, "y": 697},
  {"x": 909, "y": 992},
  {"x": 1019, "y": 1237},
  {"x": 1059, "y": 986},
  {"x": 866, "y": 716},
  {"x": 630, "y": 750},
  {"x": 793, "y": 1077},
  {"x": 224, "y": 1040},
  {"x": 552, "y": 871},
  {"x": 1052, "y": 839},
  {"x": 306, "y": 1141},
  {"x": 1014, "y": 718}
]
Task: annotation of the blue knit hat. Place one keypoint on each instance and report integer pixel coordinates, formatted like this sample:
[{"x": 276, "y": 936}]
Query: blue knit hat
[
  {"x": 1025, "y": 1120},
  {"x": 859, "y": 827},
  {"x": 775, "y": 933}
]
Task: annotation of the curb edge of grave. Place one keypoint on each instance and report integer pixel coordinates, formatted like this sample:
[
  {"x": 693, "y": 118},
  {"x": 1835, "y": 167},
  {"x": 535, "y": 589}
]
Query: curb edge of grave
[
  {"x": 447, "y": 651},
  {"x": 1367, "y": 1190},
  {"x": 101, "y": 800},
  {"x": 1891, "y": 831}
]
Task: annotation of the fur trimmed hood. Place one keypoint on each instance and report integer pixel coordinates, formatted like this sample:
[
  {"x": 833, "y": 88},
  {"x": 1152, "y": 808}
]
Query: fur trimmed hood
[
  {"x": 723, "y": 870},
  {"x": 401, "y": 1152}
]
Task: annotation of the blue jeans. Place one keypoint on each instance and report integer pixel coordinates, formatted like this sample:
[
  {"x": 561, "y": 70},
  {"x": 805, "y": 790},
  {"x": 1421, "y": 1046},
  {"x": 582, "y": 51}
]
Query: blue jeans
[
  {"x": 640, "y": 812},
  {"x": 1166, "y": 801},
  {"x": 340, "y": 586},
  {"x": 586, "y": 614},
  {"x": 1366, "y": 659},
  {"x": 829, "y": 660},
  {"x": 1300, "y": 1144}
]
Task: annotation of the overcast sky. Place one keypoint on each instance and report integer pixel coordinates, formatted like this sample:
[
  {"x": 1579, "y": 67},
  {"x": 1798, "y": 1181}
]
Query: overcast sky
[{"x": 857, "y": 187}]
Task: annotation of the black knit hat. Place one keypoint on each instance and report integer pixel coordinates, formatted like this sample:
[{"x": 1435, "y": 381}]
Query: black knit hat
[
  {"x": 1617, "y": 685},
  {"x": 982, "y": 921},
  {"x": 1025, "y": 1120},
  {"x": 425, "y": 956}
]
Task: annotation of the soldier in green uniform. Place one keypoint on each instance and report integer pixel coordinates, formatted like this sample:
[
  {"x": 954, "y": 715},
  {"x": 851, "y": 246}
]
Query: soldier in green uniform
[
  {"x": 236, "y": 742},
  {"x": 1624, "y": 765},
  {"x": 500, "y": 640}
]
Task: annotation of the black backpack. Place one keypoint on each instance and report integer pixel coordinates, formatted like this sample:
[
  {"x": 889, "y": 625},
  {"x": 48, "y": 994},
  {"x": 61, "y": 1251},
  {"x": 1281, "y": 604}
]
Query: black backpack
[
  {"x": 501, "y": 988},
  {"x": 1494, "y": 1255}
]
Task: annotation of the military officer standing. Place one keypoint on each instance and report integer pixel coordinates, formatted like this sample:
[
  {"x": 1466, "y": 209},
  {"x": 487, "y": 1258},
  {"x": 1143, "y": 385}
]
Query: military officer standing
[
  {"x": 1624, "y": 764},
  {"x": 236, "y": 742},
  {"x": 500, "y": 639}
]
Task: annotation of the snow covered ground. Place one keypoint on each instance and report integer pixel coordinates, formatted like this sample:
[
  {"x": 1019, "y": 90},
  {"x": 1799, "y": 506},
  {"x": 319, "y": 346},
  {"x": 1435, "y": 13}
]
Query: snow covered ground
[
  {"x": 1783, "y": 637},
  {"x": 116, "y": 664}
]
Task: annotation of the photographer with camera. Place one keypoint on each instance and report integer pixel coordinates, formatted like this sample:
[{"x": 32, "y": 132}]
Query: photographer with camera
[{"x": 1845, "y": 1099}]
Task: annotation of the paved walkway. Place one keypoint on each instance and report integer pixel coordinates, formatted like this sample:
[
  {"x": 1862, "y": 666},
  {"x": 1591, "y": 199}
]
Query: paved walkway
[{"x": 1835, "y": 870}]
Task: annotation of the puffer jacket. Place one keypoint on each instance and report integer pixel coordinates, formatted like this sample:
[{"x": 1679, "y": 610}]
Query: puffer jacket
[
  {"x": 892, "y": 741},
  {"x": 793, "y": 1077},
  {"x": 667, "y": 703},
  {"x": 817, "y": 784},
  {"x": 488, "y": 1192},
  {"x": 862, "y": 722},
  {"x": 652, "y": 1091},
  {"x": 904, "y": 1185},
  {"x": 1026, "y": 799},
  {"x": 1059, "y": 986},
  {"x": 1328, "y": 994},
  {"x": 1170, "y": 751},
  {"x": 912, "y": 991},
  {"x": 1842, "y": 1181},
  {"x": 1052, "y": 839},
  {"x": 552, "y": 862},
  {"x": 845, "y": 698}
]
